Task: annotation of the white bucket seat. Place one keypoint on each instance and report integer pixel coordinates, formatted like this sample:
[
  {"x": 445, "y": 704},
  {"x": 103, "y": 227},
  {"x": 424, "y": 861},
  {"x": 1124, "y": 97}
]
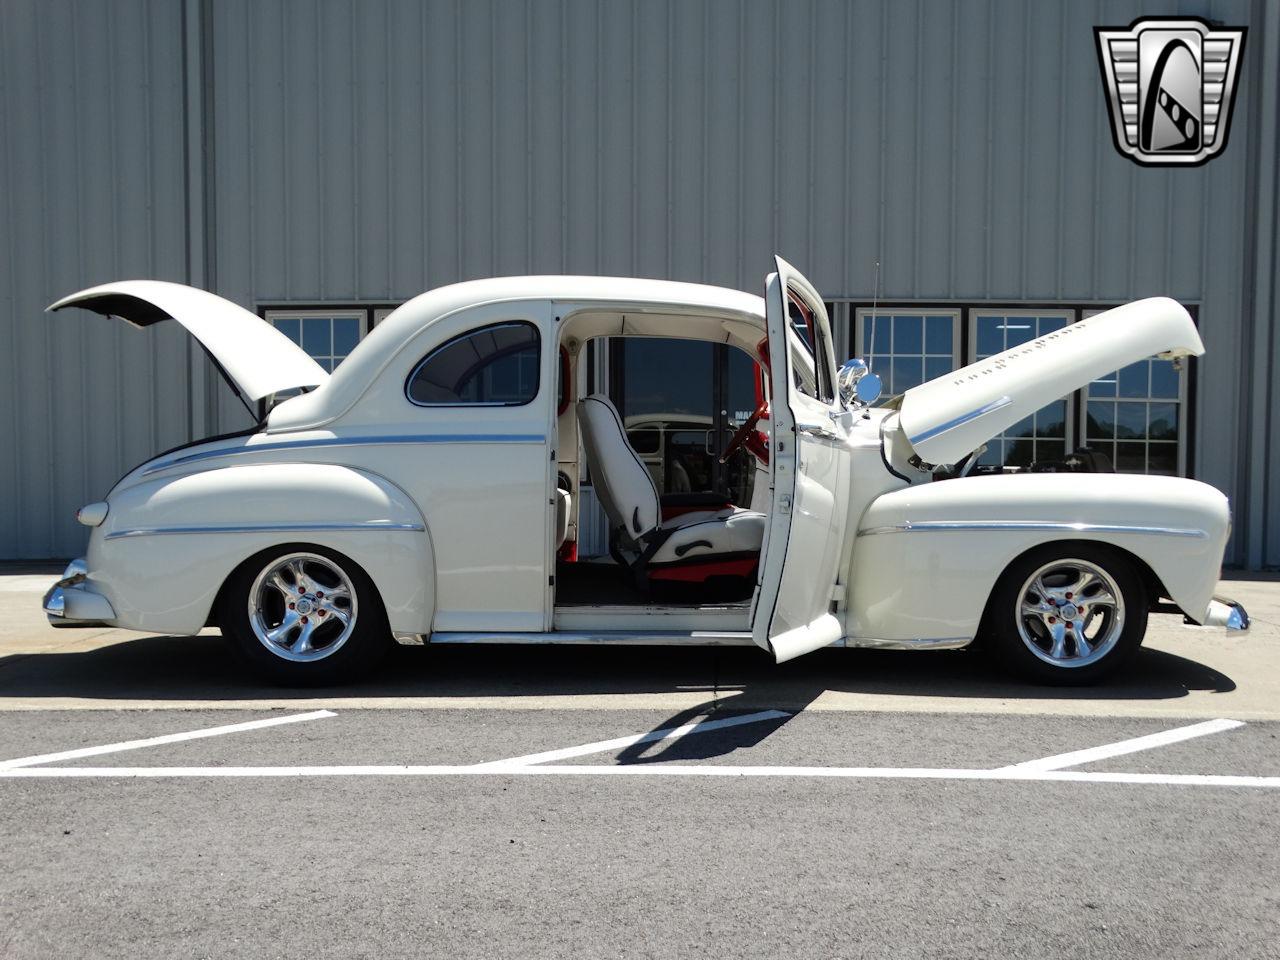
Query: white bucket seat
[{"x": 629, "y": 496}]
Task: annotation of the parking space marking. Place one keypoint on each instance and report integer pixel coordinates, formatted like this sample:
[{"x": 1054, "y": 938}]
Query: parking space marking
[
  {"x": 20, "y": 762},
  {"x": 1105, "y": 752},
  {"x": 1045, "y": 770},
  {"x": 619, "y": 743},
  {"x": 656, "y": 770}
]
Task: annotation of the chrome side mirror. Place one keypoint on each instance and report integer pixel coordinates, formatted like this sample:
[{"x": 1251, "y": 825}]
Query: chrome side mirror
[{"x": 857, "y": 384}]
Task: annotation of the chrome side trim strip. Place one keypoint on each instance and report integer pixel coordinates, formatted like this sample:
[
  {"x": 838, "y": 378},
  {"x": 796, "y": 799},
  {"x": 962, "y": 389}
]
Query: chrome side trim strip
[
  {"x": 726, "y": 638},
  {"x": 387, "y": 440},
  {"x": 933, "y": 643},
  {"x": 367, "y": 525},
  {"x": 926, "y": 526},
  {"x": 964, "y": 418}
]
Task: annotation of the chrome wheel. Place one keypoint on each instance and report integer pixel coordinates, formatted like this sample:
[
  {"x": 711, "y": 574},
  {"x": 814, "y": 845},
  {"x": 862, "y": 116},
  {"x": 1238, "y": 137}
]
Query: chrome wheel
[
  {"x": 302, "y": 607},
  {"x": 1070, "y": 613}
]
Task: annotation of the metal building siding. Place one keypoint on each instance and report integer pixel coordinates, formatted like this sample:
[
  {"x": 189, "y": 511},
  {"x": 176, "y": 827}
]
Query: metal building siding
[
  {"x": 91, "y": 189},
  {"x": 366, "y": 151}
]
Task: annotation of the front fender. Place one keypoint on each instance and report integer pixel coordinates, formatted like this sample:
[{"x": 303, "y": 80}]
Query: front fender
[
  {"x": 168, "y": 544},
  {"x": 927, "y": 557}
]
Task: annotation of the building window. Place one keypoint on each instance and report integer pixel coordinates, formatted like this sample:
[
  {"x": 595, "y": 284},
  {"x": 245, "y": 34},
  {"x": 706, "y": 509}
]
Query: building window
[
  {"x": 326, "y": 335},
  {"x": 1043, "y": 435},
  {"x": 1135, "y": 416},
  {"x": 908, "y": 347},
  {"x": 496, "y": 365}
]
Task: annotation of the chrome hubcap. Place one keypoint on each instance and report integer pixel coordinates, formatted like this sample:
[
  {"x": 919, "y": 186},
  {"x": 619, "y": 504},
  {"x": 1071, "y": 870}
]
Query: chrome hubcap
[
  {"x": 302, "y": 607},
  {"x": 1070, "y": 613}
]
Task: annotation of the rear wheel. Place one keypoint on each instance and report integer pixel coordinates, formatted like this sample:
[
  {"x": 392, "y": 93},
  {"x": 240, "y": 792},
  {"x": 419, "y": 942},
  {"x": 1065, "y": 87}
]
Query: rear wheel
[
  {"x": 304, "y": 616},
  {"x": 1067, "y": 614}
]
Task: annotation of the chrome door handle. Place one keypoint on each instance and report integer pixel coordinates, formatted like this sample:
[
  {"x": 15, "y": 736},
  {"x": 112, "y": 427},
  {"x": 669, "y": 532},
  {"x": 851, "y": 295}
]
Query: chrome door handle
[{"x": 817, "y": 430}]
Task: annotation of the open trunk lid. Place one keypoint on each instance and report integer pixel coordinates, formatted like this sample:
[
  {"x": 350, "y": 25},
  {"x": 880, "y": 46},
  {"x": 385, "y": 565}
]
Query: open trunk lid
[
  {"x": 947, "y": 418},
  {"x": 256, "y": 358}
]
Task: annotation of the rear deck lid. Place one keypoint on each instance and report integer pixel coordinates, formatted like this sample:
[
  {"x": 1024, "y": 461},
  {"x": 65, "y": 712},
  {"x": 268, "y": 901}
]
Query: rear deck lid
[
  {"x": 256, "y": 358},
  {"x": 947, "y": 418}
]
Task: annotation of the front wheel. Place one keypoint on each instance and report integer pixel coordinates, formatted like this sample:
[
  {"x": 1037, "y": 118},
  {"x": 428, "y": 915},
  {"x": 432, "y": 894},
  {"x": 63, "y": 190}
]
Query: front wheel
[
  {"x": 1067, "y": 614},
  {"x": 304, "y": 616}
]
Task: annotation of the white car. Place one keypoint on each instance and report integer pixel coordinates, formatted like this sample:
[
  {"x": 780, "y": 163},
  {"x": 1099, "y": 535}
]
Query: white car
[{"x": 428, "y": 491}]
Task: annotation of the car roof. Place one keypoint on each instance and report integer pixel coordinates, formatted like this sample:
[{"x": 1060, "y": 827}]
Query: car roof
[{"x": 365, "y": 362}]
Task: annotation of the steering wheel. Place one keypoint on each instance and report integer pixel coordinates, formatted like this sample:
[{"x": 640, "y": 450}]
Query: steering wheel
[{"x": 744, "y": 433}]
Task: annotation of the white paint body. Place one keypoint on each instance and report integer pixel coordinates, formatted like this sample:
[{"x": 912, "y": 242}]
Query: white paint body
[{"x": 452, "y": 511}]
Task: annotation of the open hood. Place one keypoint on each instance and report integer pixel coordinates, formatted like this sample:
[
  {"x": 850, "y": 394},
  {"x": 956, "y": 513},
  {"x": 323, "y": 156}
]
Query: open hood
[
  {"x": 947, "y": 418},
  {"x": 256, "y": 358}
]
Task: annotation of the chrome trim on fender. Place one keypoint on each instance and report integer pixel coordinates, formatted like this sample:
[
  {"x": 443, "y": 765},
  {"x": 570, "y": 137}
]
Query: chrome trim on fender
[
  {"x": 387, "y": 440},
  {"x": 368, "y": 525},
  {"x": 964, "y": 418},
  {"x": 924, "y": 526}
]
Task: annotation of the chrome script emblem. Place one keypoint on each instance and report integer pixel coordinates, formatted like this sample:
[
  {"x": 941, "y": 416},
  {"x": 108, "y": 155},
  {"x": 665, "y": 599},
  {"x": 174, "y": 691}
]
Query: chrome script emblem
[{"x": 1170, "y": 85}]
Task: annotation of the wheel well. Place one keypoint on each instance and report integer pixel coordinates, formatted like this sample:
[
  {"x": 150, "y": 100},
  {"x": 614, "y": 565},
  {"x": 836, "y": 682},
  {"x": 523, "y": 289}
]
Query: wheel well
[
  {"x": 260, "y": 555},
  {"x": 1154, "y": 587}
]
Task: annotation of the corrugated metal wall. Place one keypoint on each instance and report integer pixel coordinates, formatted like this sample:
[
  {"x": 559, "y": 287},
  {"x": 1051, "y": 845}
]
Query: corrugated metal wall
[
  {"x": 91, "y": 189},
  {"x": 370, "y": 150}
]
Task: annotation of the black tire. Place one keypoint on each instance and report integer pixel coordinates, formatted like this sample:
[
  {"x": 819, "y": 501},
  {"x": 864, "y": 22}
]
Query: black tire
[
  {"x": 1011, "y": 630},
  {"x": 337, "y": 656}
]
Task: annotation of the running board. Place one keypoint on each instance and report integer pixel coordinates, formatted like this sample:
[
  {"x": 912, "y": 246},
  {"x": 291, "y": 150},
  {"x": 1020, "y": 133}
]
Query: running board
[
  {"x": 616, "y": 638},
  {"x": 666, "y": 638}
]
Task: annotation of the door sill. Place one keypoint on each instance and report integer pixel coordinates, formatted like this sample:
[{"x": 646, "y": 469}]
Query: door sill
[{"x": 618, "y": 638}]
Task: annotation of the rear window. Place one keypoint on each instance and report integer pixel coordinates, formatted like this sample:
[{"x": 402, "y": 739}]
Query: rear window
[{"x": 492, "y": 366}]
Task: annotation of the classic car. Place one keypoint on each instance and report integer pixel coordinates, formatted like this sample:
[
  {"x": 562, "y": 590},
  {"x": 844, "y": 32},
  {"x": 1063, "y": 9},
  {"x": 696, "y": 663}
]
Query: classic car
[{"x": 429, "y": 490}]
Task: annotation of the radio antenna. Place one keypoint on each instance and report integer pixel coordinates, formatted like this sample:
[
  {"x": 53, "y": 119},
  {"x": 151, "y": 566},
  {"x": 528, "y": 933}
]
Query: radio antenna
[{"x": 875, "y": 300}]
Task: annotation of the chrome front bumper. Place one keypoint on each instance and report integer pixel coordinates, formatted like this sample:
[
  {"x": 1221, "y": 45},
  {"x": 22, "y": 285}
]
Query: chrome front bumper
[
  {"x": 1226, "y": 613},
  {"x": 68, "y": 603}
]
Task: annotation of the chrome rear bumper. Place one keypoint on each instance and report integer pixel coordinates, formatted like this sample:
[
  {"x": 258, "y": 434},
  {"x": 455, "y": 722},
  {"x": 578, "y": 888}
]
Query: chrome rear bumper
[
  {"x": 69, "y": 604},
  {"x": 1226, "y": 613}
]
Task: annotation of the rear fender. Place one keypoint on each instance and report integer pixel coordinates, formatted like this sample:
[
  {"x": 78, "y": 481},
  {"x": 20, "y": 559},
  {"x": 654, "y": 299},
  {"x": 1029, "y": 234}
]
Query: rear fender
[{"x": 168, "y": 544}]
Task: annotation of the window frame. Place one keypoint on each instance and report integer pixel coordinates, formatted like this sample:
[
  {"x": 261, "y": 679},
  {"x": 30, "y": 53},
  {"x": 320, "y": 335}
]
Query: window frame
[
  {"x": 324, "y": 311},
  {"x": 514, "y": 322},
  {"x": 857, "y": 316}
]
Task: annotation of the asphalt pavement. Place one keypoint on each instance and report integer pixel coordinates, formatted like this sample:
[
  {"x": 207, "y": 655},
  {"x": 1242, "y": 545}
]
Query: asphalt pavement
[{"x": 569, "y": 802}]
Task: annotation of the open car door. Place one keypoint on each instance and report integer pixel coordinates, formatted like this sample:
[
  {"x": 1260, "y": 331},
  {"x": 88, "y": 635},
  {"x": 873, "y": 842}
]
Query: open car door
[{"x": 810, "y": 461}]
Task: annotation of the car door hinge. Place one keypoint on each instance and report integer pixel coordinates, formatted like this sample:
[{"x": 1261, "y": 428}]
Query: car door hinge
[
  {"x": 551, "y": 581},
  {"x": 784, "y": 503},
  {"x": 837, "y": 592}
]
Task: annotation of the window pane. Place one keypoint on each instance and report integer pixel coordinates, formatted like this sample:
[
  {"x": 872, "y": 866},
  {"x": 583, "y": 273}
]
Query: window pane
[
  {"x": 1131, "y": 457},
  {"x": 346, "y": 331},
  {"x": 317, "y": 336},
  {"x": 291, "y": 327},
  {"x": 990, "y": 337},
  {"x": 1165, "y": 380},
  {"x": 937, "y": 336},
  {"x": 1133, "y": 380},
  {"x": 1051, "y": 421},
  {"x": 1162, "y": 458},
  {"x": 496, "y": 364},
  {"x": 1162, "y": 420},
  {"x": 1131, "y": 421},
  {"x": 908, "y": 334},
  {"x": 1102, "y": 420},
  {"x": 1104, "y": 386}
]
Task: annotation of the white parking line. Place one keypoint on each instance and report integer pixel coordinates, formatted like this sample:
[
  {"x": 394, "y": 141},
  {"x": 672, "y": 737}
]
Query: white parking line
[
  {"x": 655, "y": 770},
  {"x": 1149, "y": 742},
  {"x": 653, "y": 736},
  {"x": 7, "y": 765}
]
